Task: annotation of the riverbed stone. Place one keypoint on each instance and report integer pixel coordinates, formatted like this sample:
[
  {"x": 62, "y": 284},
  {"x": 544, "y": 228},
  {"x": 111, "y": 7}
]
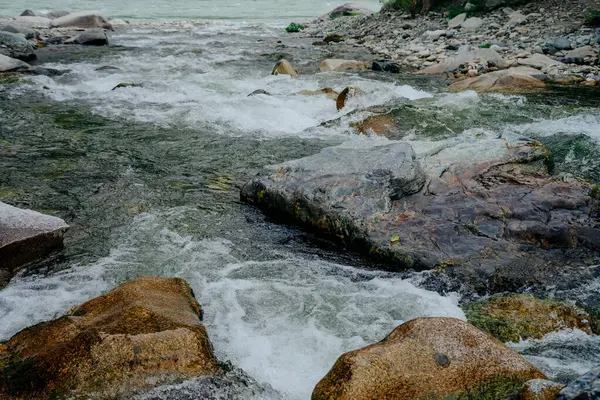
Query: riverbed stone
[
  {"x": 16, "y": 46},
  {"x": 538, "y": 61},
  {"x": 457, "y": 21},
  {"x": 518, "y": 79},
  {"x": 518, "y": 317},
  {"x": 27, "y": 236},
  {"x": 587, "y": 387},
  {"x": 428, "y": 358},
  {"x": 487, "y": 212},
  {"x": 472, "y": 24},
  {"x": 84, "y": 20},
  {"x": 345, "y": 10},
  {"x": 466, "y": 54},
  {"x": 145, "y": 333},
  {"x": 329, "y": 92}
]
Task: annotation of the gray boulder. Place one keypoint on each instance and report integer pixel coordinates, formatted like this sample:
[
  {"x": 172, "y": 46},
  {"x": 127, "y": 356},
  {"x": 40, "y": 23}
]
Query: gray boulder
[
  {"x": 8, "y": 64},
  {"x": 586, "y": 387},
  {"x": 57, "y": 14},
  {"x": 561, "y": 44},
  {"x": 92, "y": 37},
  {"x": 33, "y": 22},
  {"x": 82, "y": 20},
  {"x": 28, "y": 13},
  {"x": 26, "y": 236},
  {"x": 489, "y": 214},
  {"x": 16, "y": 46},
  {"x": 466, "y": 54},
  {"x": 29, "y": 33},
  {"x": 347, "y": 9}
]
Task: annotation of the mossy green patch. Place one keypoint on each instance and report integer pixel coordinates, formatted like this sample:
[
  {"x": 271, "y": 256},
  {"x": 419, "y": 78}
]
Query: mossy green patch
[
  {"x": 499, "y": 387},
  {"x": 516, "y": 317}
]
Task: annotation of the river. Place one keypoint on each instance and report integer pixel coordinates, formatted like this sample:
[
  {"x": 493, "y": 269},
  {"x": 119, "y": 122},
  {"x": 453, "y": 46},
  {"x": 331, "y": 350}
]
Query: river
[{"x": 149, "y": 178}]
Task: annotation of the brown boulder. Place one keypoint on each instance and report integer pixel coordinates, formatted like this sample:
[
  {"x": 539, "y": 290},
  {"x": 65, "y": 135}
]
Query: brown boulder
[
  {"x": 145, "y": 333},
  {"x": 428, "y": 358},
  {"x": 382, "y": 125},
  {"x": 339, "y": 65}
]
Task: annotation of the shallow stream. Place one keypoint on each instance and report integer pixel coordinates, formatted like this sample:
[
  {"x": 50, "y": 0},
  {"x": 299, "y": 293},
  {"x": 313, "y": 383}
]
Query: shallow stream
[{"x": 148, "y": 177}]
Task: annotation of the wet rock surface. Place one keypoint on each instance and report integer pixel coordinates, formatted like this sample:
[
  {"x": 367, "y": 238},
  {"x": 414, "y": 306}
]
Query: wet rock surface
[
  {"x": 428, "y": 358},
  {"x": 145, "y": 333},
  {"x": 26, "y": 236},
  {"x": 495, "y": 221},
  {"x": 586, "y": 387},
  {"x": 16, "y": 46},
  {"x": 540, "y": 389}
]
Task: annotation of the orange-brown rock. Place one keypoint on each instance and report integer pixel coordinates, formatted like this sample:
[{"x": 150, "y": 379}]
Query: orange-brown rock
[
  {"x": 428, "y": 358},
  {"x": 540, "y": 389},
  {"x": 329, "y": 92},
  {"x": 147, "y": 332},
  {"x": 382, "y": 125}
]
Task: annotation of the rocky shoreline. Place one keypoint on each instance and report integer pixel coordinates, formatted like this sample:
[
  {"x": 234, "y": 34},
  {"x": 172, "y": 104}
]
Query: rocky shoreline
[
  {"x": 485, "y": 214},
  {"x": 550, "y": 36}
]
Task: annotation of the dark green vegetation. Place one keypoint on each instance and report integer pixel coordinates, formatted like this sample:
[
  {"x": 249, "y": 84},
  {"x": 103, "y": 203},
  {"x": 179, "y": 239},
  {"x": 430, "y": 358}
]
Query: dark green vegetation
[
  {"x": 294, "y": 27},
  {"x": 593, "y": 18}
]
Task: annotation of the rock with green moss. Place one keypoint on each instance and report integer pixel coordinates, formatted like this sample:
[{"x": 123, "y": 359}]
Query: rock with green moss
[
  {"x": 540, "y": 389},
  {"x": 294, "y": 27},
  {"x": 516, "y": 317},
  {"x": 428, "y": 358}
]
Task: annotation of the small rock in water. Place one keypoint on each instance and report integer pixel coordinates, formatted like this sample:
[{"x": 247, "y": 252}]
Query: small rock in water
[
  {"x": 259, "y": 91},
  {"x": 283, "y": 67},
  {"x": 329, "y": 92},
  {"x": 29, "y": 33},
  {"x": 386, "y": 66},
  {"x": 343, "y": 97},
  {"x": 8, "y": 64},
  {"x": 107, "y": 68},
  {"x": 126, "y": 85}
]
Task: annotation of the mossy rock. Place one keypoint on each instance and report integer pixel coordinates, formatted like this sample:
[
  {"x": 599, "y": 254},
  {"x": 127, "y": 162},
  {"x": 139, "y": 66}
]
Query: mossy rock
[
  {"x": 294, "y": 27},
  {"x": 517, "y": 317}
]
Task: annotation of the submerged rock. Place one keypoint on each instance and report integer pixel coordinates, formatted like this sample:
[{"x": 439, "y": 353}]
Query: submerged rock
[
  {"x": 510, "y": 80},
  {"x": 145, "y": 333},
  {"x": 283, "y": 67},
  {"x": 26, "y": 236},
  {"x": 16, "y": 46},
  {"x": 519, "y": 317},
  {"x": 344, "y": 95},
  {"x": 586, "y": 387},
  {"x": 428, "y": 358},
  {"x": 485, "y": 212},
  {"x": 385, "y": 66},
  {"x": 126, "y": 85},
  {"x": 82, "y": 20},
  {"x": 540, "y": 389}
]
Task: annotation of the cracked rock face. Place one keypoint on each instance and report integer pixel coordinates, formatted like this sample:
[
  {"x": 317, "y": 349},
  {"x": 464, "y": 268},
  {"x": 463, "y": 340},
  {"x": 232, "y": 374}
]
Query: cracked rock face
[{"x": 486, "y": 212}]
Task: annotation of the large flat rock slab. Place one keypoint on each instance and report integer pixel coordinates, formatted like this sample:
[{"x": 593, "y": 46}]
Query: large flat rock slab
[
  {"x": 484, "y": 210},
  {"x": 26, "y": 236}
]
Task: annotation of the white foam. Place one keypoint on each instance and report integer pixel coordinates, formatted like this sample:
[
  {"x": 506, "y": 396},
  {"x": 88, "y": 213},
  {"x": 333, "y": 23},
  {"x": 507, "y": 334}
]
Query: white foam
[
  {"x": 284, "y": 320},
  {"x": 580, "y": 124}
]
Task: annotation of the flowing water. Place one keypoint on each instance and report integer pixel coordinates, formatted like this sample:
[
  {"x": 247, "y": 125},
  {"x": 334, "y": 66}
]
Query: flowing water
[{"x": 149, "y": 178}]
